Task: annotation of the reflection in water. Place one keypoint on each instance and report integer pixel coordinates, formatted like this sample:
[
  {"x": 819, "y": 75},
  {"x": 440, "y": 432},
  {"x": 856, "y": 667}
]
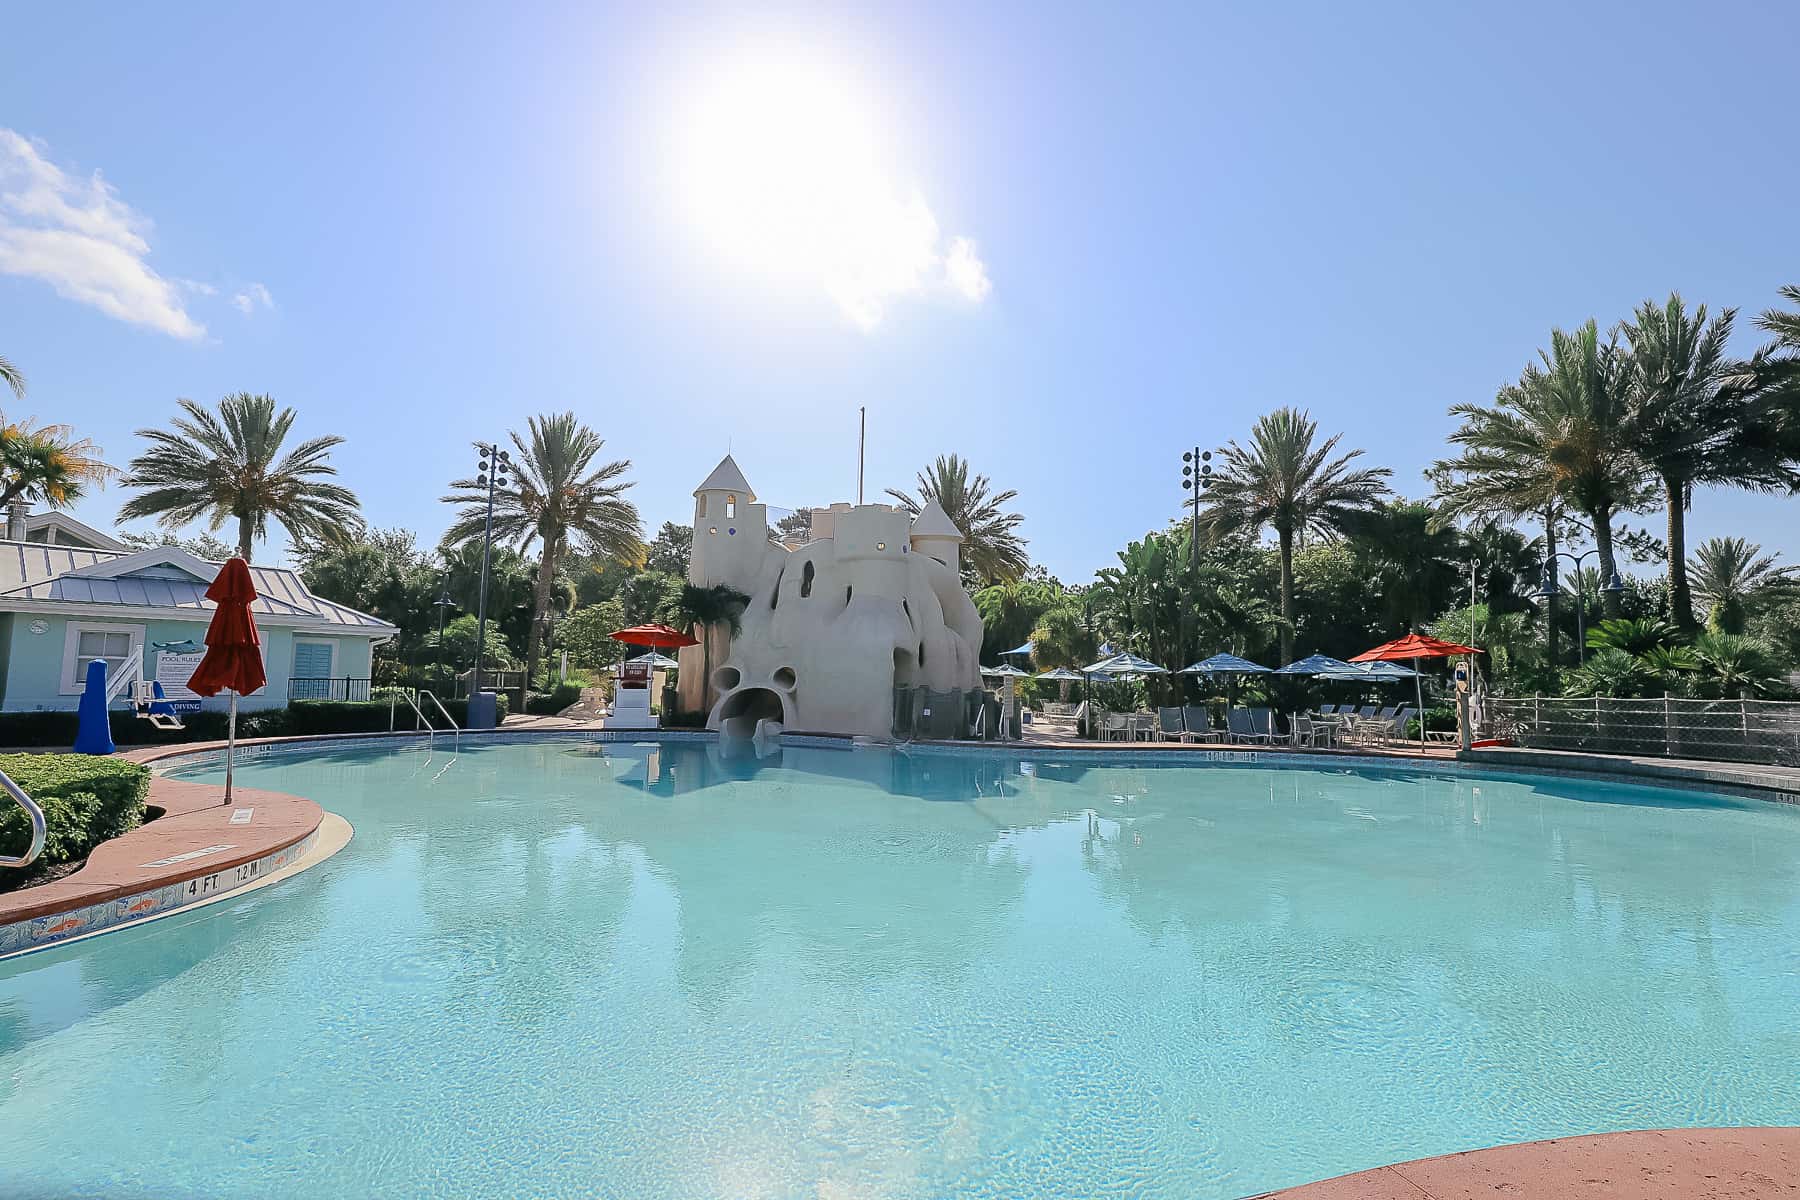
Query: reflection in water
[{"x": 659, "y": 971}]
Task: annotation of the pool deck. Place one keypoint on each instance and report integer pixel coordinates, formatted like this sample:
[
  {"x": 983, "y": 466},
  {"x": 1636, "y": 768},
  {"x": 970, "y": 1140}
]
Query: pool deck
[
  {"x": 1758, "y": 780},
  {"x": 197, "y": 839},
  {"x": 1662, "y": 1164}
]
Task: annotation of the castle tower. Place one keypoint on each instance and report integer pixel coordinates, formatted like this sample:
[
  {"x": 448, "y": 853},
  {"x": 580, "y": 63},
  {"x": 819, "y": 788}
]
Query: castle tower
[
  {"x": 870, "y": 543},
  {"x": 934, "y": 535},
  {"x": 731, "y": 531}
]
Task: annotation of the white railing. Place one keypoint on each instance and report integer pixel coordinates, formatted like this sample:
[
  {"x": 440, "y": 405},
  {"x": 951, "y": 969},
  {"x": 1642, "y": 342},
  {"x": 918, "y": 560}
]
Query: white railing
[
  {"x": 1749, "y": 731},
  {"x": 128, "y": 676}
]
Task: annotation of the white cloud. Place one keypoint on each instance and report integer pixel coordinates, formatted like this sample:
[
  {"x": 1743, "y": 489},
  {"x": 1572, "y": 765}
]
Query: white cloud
[
  {"x": 197, "y": 287},
  {"x": 965, "y": 270},
  {"x": 77, "y": 235},
  {"x": 252, "y": 298}
]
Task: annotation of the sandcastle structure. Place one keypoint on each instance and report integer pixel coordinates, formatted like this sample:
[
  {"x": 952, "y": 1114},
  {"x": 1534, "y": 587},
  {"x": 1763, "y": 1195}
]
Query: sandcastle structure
[{"x": 869, "y": 614}]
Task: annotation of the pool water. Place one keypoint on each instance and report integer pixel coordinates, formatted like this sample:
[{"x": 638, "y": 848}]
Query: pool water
[{"x": 561, "y": 969}]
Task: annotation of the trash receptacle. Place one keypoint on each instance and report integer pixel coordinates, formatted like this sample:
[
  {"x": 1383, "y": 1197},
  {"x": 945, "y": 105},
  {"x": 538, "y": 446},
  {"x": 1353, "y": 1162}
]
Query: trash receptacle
[{"x": 483, "y": 711}]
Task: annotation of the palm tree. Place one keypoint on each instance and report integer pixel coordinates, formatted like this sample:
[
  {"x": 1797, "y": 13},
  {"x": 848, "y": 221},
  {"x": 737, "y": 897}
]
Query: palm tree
[
  {"x": 1732, "y": 665},
  {"x": 1692, "y": 421},
  {"x": 226, "y": 465},
  {"x": 1609, "y": 672},
  {"x": 48, "y": 464},
  {"x": 1729, "y": 573},
  {"x": 1774, "y": 373},
  {"x": 559, "y": 494},
  {"x": 992, "y": 552},
  {"x": 707, "y": 607},
  {"x": 1564, "y": 428},
  {"x": 12, "y": 378},
  {"x": 1284, "y": 480}
]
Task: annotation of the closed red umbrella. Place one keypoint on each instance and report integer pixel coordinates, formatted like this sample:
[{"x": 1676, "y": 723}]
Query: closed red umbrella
[
  {"x": 1414, "y": 647},
  {"x": 658, "y": 637},
  {"x": 233, "y": 659}
]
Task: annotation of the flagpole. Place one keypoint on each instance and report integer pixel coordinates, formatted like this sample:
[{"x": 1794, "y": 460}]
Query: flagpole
[{"x": 862, "y": 441}]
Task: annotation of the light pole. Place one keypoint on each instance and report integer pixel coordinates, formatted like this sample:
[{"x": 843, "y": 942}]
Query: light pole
[
  {"x": 442, "y": 603},
  {"x": 1474, "y": 566},
  {"x": 1547, "y": 590},
  {"x": 494, "y": 479},
  {"x": 1194, "y": 483}
]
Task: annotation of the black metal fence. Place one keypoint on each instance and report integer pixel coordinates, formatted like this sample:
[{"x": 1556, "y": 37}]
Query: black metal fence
[
  {"x": 333, "y": 687},
  {"x": 1747, "y": 731}
]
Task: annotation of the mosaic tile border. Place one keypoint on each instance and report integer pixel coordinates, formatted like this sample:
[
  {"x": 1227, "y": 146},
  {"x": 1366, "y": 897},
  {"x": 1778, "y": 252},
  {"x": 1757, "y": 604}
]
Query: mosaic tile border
[{"x": 40, "y": 933}]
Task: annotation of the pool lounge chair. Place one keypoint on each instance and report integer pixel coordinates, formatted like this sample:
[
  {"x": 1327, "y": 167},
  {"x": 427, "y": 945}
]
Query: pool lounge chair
[
  {"x": 1199, "y": 726},
  {"x": 1304, "y": 731},
  {"x": 1248, "y": 725},
  {"x": 1115, "y": 727},
  {"x": 1168, "y": 724}
]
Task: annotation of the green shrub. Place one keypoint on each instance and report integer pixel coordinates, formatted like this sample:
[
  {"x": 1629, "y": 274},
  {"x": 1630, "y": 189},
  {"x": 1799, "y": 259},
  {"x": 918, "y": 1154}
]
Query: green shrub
[
  {"x": 345, "y": 716},
  {"x": 87, "y": 799},
  {"x": 299, "y": 717},
  {"x": 553, "y": 701}
]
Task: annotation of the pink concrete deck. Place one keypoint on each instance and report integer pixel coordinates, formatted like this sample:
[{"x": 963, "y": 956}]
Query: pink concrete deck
[
  {"x": 1665, "y": 1164},
  {"x": 192, "y": 820}
]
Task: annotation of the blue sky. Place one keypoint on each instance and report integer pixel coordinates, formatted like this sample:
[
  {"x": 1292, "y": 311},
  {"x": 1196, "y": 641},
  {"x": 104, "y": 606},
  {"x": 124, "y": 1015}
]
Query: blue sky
[{"x": 1088, "y": 236}]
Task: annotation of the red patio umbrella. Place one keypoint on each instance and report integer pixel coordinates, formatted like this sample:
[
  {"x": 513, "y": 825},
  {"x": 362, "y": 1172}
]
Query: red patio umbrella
[
  {"x": 1414, "y": 647},
  {"x": 657, "y": 637},
  {"x": 233, "y": 649}
]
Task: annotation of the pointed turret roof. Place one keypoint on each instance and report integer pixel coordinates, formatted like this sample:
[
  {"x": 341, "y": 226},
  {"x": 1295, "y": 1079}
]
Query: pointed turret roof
[
  {"x": 727, "y": 478},
  {"x": 934, "y": 522}
]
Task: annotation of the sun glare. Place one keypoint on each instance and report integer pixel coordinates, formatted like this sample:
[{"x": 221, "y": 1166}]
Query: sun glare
[{"x": 786, "y": 172}]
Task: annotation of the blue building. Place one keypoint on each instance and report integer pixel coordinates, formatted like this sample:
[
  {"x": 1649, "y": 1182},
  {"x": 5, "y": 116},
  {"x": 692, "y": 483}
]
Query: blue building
[{"x": 70, "y": 594}]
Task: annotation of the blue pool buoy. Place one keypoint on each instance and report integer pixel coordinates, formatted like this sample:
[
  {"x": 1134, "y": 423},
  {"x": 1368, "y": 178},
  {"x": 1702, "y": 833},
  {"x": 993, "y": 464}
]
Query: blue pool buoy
[{"x": 94, "y": 732}]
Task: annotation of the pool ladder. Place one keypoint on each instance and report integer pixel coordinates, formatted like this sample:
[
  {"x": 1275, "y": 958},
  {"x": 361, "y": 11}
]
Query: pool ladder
[
  {"x": 431, "y": 731},
  {"x": 38, "y": 829}
]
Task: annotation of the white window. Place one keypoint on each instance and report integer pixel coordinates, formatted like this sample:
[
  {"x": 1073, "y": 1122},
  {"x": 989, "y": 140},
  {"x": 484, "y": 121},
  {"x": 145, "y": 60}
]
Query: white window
[{"x": 118, "y": 645}]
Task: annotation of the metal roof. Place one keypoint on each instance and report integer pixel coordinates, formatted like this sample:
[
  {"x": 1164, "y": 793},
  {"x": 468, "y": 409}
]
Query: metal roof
[{"x": 33, "y": 573}]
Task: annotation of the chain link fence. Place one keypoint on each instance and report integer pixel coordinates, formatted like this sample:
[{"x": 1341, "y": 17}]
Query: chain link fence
[{"x": 1745, "y": 731}]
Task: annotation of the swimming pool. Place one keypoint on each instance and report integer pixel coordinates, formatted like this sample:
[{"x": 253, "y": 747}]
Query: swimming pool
[{"x": 645, "y": 971}]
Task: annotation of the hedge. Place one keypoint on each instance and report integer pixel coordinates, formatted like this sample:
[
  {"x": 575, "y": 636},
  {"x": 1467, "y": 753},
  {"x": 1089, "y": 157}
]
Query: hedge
[
  {"x": 87, "y": 799},
  {"x": 548, "y": 704},
  {"x": 300, "y": 717}
]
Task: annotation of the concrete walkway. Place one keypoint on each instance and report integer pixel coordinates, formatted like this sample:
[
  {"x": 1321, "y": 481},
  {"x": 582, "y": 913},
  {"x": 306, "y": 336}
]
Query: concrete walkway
[{"x": 1668, "y": 1164}]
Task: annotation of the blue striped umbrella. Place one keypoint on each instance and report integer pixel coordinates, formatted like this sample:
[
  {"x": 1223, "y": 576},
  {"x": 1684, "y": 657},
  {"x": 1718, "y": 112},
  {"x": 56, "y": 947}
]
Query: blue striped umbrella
[
  {"x": 1316, "y": 664},
  {"x": 1225, "y": 664}
]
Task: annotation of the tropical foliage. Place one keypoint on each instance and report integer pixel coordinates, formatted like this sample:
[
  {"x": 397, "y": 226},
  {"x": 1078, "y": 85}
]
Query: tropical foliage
[
  {"x": 559, "y": 495},
  {"x": 1287, "y": 480},
  {"x": 1731, "y": 576},
  {"x": 229, "y": 466},
  {"x": 12, "y": 377},
  {"x": 992, "y": 550},
  {"x": 48, "y": 464}
]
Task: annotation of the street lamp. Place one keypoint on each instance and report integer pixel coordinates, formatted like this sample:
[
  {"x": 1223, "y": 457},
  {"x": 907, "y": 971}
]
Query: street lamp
[
  {"x": 1547, "y": 590},
  {"x": 493, "y": 480},
  {"x": 443, "y": 604}
]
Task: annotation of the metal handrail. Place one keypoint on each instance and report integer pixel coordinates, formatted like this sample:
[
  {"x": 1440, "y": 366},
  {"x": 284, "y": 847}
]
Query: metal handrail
[
  {"x": 38, "y": 829},
  {"x": 430, "y": 729},
  {"x": 450, "y": 720}
]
